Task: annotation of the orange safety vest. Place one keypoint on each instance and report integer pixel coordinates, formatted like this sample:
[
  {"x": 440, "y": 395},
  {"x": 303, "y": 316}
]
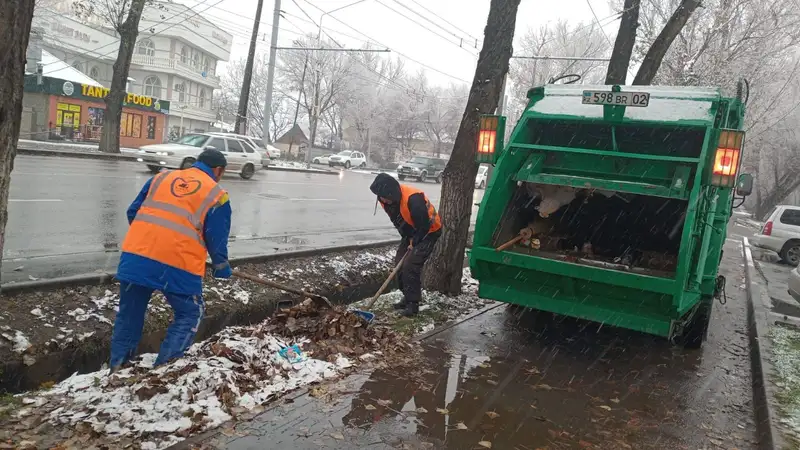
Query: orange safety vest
[
  {"x": 168, "y": 227},
  {"x": 406, "y": 192}
]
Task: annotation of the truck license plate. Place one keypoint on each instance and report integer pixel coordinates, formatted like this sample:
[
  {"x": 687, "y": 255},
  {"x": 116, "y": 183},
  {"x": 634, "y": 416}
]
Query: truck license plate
[{"x": 641, "y": 99}]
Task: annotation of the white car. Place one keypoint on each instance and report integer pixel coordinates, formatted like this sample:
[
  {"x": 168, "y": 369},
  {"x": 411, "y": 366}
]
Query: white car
[
  {"x": 794, "y": 284},
  {"x": 482, "y": 177},
  {"x": 266, "y": 151},
  {"x": 242, "y": 157},
  {"x": 348, "y": 159},
  {"x": 781, "y": 233},
  {"x": 324, "y": 159}
]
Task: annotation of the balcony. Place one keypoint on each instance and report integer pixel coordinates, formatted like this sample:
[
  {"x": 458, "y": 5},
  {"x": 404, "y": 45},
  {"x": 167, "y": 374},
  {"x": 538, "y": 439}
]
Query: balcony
[
  {"x": 191, "y": 111},
  {"x": 185, "y": 70}
]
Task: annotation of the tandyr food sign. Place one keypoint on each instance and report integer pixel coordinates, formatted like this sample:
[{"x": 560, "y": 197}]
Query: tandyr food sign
[{"x": 142, "y": 101}]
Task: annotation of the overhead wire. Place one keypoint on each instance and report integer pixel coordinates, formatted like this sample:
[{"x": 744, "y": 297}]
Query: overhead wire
[{"x": 457, "y": 44}]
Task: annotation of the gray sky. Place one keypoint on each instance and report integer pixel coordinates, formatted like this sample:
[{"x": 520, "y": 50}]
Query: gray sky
[{"x": 436, "y": 48}]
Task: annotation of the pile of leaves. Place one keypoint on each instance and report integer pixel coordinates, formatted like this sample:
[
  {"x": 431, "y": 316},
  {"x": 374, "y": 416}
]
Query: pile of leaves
[{"x": 334, "y": 331}]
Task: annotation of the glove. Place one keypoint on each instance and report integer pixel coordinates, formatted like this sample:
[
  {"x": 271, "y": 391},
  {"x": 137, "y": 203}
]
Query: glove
[{"x": 222, "y": 270}]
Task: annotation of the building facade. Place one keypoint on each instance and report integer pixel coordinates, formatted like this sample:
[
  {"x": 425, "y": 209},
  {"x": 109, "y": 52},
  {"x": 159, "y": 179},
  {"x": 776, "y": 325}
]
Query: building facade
[{"x": 175, "y": 59}]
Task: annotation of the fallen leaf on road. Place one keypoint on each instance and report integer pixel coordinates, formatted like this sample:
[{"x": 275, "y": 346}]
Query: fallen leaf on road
[
  {"x": 384, "y": 402},
  {"x": 442, "y": 411},
  {"x": 492, "y": 414},
  {"x": 461, "y": 426},
  {"x": 485, "y": 444},
  {"x": 607, "y": 408},
  {"x": 338, "y": 436},
  {"x": 585, "y": 444},
  {"x": 230, "y": 432},
  {"x": 421, "y": 410},
  {"x": 369, "y": 407}
]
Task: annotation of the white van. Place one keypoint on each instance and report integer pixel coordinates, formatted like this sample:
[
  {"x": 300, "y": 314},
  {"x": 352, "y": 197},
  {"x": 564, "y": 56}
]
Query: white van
[
  {"x": 781, "y": 233},
  {"x": 482, "y": 177}
]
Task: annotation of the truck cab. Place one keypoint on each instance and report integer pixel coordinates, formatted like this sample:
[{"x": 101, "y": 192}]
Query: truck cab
[{"x": 610, "y": 204}]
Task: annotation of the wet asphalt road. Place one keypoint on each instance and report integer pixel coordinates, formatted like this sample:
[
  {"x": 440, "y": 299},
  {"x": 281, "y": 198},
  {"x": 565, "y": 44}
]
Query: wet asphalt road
[
  {"x": 526, "y": 380},
  {"x": 67, "y": 216}
]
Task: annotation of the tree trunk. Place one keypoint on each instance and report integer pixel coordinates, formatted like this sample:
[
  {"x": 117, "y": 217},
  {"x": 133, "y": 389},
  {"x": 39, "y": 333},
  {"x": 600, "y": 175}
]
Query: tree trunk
[
  {"x": 659, "y": 47},
  {"x": 128, "y": 32},
  {"x": 15, "y": 29},
  {"x": 623, "y": 45},
  {"x": 244, "y": 97},
  {"x": 445, "y": 267}
]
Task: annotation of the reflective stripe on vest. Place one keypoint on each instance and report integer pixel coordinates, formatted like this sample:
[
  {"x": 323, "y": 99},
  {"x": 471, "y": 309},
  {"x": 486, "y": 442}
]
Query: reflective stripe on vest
[
  {"x": 406, "y": 192},
  {"x": 169, "y": 224}
]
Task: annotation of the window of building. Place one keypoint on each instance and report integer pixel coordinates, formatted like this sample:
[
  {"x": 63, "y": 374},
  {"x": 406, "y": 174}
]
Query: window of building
[
  {"x": 206, "y": 65},
  {"x": 78, "y": 66},
  {"x": 180, "y": 88},
  {"x": 151, "y": 127},
  {"x": 68, "y": 119},
  {"x": 202, "y": 98},
  {"x": 152, "y": 86},
  {"x": 146, "y": 47},
  {"x": 196, "y": 59},
  {"x": 131, "y": 125},
  {"x": 94, "y": 72},
  {"x": 184, "y": 54}
]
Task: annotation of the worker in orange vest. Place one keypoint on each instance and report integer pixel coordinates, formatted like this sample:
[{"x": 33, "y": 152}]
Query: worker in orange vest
[
  {"x": 420, "y": 227},
  {"x": 178, "y": 217}
]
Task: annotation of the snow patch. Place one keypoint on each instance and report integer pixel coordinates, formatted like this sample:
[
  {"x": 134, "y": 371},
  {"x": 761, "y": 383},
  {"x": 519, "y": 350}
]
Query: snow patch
[{"x": 19, "y": 342}]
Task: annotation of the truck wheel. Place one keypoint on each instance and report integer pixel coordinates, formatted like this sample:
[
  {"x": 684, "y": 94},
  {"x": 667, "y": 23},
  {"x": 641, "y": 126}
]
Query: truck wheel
[
  {"x": 791, "y": 253},
  {"x": 696, "y": 331}
]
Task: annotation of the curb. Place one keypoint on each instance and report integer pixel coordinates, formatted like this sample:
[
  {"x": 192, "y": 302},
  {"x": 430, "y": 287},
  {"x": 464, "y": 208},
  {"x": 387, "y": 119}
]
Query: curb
[
  {"x": 108, "y": 277},
  {"x": 287, "y": 169},
  {"x": 769, "y": 437},
  {"x": 79, "y": 155}
]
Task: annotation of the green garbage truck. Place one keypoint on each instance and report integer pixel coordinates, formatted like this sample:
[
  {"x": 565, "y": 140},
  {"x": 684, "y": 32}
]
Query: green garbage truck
[{"x": 610, "y": 204}]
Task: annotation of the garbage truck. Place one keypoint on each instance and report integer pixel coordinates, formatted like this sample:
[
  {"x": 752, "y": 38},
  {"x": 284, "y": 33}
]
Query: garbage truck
[{"x": 610, "y": 204}]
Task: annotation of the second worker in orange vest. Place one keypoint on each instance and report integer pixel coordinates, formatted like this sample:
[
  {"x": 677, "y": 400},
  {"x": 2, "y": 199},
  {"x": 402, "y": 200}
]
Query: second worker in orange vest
[{"x": 419, "y": 226}]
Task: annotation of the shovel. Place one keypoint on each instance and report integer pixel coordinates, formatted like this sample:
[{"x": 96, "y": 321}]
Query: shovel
[
  {"x": 318, "y": 299},
  {"x": 369, "y": 316}
]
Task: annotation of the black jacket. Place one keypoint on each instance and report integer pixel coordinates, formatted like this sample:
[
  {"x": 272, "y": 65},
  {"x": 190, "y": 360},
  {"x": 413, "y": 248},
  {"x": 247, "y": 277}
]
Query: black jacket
[{"x": 387, "y": 187}]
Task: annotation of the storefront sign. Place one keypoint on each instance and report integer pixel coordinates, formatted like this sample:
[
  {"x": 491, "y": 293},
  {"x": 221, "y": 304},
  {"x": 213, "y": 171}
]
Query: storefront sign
[
  {"x": 219, "y": 37},
  {"x": 60, "y": 87},
  {"x": 66, "y": 31}
]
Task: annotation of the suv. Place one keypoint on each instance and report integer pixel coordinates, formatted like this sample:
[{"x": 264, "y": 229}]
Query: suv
[
  {"x": 781, "y": 233},
  {"x": 241, "y": 155},
  {"x": 422, "y": 168},
  {"x": 348, "y": 159}
]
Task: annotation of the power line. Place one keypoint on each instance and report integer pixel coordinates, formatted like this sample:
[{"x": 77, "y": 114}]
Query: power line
[
  {"x": 588, "y": 2},
  {"x": 395, "y": 51},
  {"x": 423, "y": 26},
  {"x": 445, "y": 21},
  {"x": 460, "y": 38}
]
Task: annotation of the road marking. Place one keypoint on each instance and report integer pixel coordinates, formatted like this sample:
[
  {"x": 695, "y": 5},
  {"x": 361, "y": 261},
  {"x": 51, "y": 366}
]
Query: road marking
[{"x": 34, "y": 200}]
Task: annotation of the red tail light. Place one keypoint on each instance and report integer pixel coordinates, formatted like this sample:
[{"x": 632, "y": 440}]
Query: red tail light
[
  {"x": 767, "y": 231},
  {"x": 726, "y": 159}
]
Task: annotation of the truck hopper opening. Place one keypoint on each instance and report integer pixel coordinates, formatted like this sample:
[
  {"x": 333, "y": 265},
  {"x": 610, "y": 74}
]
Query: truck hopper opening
[{"x": 621, "y": 231}]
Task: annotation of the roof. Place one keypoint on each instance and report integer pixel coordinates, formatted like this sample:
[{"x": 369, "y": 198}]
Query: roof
[
  {"x": 667, "y": 103},
  {"x": 296, "y": 135},
  {"x": 56, "y": 68}
]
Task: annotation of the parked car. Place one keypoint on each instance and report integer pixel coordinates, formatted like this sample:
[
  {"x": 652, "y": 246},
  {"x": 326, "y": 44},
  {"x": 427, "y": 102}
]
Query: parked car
[
  {"x": 781, "y": 233},
  {"x": 794, "y": 283},
  {"x": 482, "y": 177},
  {"x": 324, "y": 159},
  {"x": 422, "y": 168},
  {"x": 348, "y": 159},
  {"x": 241, "y": 155},
  {"x": 266, "y": 151}
]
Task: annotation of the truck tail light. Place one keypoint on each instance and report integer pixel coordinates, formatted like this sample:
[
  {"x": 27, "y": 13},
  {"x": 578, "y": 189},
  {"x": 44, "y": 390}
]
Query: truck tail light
[
  {"x": 490, "y": 138},
  {"x": 767, "y": 231},
  {"x": 726, "y": 158}
]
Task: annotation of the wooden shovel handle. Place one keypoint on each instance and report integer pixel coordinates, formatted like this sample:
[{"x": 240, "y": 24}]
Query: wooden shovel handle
[
  {"x": 509, "y": 243},
  {"x": 275, "y": 285},
  {"x": 388, "y": 280}
]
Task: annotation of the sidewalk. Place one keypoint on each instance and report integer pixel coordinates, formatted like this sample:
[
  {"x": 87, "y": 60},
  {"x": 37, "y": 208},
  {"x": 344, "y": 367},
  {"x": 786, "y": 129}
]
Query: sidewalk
[
  {"x": 68, "y": 149},
  {"x": 775, "y": 339}
]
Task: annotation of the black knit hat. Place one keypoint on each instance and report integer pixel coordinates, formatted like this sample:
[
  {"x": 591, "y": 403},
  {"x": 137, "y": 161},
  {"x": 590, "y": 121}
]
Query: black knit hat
[{"x": 213, "y": 159}]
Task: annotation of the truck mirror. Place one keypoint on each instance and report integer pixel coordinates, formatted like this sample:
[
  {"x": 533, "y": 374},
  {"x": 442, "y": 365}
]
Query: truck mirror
[{"x": 744, "y": 186}]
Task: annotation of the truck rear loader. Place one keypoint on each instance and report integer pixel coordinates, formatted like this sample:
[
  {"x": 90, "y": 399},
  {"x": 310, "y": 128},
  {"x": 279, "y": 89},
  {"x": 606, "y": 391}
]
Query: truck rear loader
[{"x": 610, "y": 204}]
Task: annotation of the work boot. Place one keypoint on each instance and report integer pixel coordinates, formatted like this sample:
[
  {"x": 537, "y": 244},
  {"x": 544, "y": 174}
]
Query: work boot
[
  {"x": 401, "y": 304},
  {"x": 412, "y": 309}
]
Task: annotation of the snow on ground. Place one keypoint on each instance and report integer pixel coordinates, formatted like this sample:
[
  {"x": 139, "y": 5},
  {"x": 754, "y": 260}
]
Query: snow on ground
[
  {"x": 785, "y": 357},
  {"x": 362, "y": 262},
  {"x": 293, "y": 165},
  {"x": 19, "y": 342},
  {"x": 435, "y": 308},
  {"x": 225, "y": 376}
]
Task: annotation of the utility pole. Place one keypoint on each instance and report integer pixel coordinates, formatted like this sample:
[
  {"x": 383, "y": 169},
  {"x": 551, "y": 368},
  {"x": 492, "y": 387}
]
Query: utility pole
[
  {"x": 276, "y": 17},
  {"x": 244, "y": 96}
]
